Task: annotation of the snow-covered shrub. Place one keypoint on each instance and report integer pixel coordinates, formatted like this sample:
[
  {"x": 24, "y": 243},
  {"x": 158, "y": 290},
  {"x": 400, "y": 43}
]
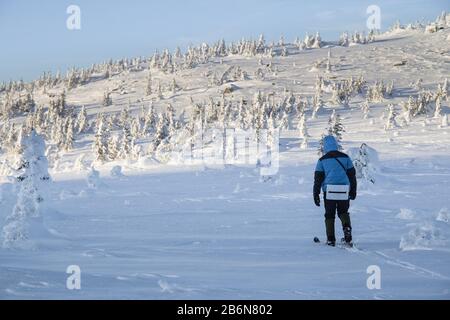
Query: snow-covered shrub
[{"x": 32, "y": 178}]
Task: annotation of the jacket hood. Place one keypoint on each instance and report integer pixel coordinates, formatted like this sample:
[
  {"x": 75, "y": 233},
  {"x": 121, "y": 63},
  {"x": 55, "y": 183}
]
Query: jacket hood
[{"x": 329, "y": 144}]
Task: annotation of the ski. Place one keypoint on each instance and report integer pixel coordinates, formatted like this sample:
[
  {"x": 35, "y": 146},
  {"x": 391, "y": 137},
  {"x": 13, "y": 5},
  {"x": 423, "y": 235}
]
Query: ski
[{"x": 342, "y": 244}]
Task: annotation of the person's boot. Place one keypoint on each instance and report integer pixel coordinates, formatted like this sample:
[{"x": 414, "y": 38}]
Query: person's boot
[
  {"x": 331, "y": 238},
  {"x": 348, "y": 235},
  {"x": 346, "y": 227}
]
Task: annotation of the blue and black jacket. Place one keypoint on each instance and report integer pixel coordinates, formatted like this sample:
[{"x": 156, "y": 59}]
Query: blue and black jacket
[{"x": 334, "y": 168}]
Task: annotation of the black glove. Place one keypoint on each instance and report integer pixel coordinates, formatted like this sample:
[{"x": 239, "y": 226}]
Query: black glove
[
  {"x": 317, "y": 200},
  {"x": 352, "y": 195}
]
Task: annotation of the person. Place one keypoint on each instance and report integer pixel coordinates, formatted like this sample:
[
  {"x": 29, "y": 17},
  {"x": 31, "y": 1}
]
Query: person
[{"x": 335, "y": 168}]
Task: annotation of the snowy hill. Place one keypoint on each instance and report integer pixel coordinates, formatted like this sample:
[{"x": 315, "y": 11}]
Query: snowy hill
[{"x": 158, "y": 221}]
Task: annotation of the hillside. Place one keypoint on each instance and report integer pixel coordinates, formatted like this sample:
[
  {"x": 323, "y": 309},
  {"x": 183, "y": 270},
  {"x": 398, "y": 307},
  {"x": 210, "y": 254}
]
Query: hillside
[{"x": 162, "y": 220}]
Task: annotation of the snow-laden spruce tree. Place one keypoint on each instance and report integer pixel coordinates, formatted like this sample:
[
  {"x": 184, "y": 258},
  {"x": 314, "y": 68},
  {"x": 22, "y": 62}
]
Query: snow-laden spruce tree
[
  {"x": 148, "y": 89},
  {"x": 444, "y": 122},
  {"x": 126, "y": 142},
  {"x": 82, "y": 122},
  {"x": 438, "y": 109},
  {"x": 317, "y": 42},
  {"x": 101, "y": 140},
  {"x": 303, "y": 130},
  {"x": 390, "y": 89},
  {"x": 149, "y": 121},
  {"x": 365, "y": 163},
  {"x": 317, "y": 101},
  {"x": 343, "y": 40},
  {"x": 328, "y": 65},
  {"x": 446, "y": 89},
  {"x": 390, "y": 122},
  {"x": 107, "y": 100},
  {"x": 159, "y": 91},
  {"x": 174, "y": 87},
  {"x": 33, "y": 175},
  {"x": 365, "y": 107},
  {"x": 261, "y": 45},
  {"x": 124, "y": 117},
  {"x": 69, "y": 137},
  {"x": 113, "y": 147},
  {"x": 336, "y": 128},
  {"x": 162, "y": 131}
]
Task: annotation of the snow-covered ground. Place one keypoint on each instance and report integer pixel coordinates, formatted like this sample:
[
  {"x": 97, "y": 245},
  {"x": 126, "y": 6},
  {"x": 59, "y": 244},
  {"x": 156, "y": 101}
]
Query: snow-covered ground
[{"x": 174, "y": 231}]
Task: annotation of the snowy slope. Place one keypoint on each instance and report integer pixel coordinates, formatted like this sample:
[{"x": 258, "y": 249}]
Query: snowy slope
[{"x": 177, "y": 231}]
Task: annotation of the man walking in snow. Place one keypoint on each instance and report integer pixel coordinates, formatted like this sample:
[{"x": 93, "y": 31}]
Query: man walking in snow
[{"x": 336, "y": 176}]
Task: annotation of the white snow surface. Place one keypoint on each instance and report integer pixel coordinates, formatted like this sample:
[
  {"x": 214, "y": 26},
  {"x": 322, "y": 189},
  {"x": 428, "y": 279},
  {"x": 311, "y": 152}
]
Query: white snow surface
[{"x": 173, "y": 231}]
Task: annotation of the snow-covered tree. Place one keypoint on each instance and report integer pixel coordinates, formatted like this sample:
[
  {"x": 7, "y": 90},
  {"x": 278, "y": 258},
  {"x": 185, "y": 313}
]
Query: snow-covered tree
[
  {"x": 303, "y": 130},
  {"x": 113, "y": 148},
  {"x": 149, "y": 121},
  {"x": 376, "y": 92},
  {"x": 343, "y": 40},
  {"x": 444, "y": 121},
  {"x": 126, "y": 142},
  {"x": 174, "y": 86},
  {"x": 162, "y": 131},
  {"x": 159, "y": 92},
  {"x": 365, "y": 107},
  {"x": 107, "y": 100},
  {"x": 101, "y": 140},
  {"x": 418, "y": 85},
  {"x": 390, "y": 122},
  {"x": 82, "y": 122},
  {"x": 336, "y": 128},
  {"x": 124, "y": 117},
  {"x": 390, "y": 88},
  {"x": 69, "y": 137},
  {"x": 33, "y": 174},
  {"x": 317, "y": 42},
  {"x": 328, "y": 66},
  {"x": 260, "y": 47},
  {"x": 438, "y": 109},
  {"x": 363, "y": 163},
  {"x": 148, "y": 89}
]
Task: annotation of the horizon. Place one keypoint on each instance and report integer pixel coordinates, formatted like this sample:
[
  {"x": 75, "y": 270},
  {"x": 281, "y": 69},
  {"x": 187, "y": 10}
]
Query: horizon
[{"x": 118, "y": 30}]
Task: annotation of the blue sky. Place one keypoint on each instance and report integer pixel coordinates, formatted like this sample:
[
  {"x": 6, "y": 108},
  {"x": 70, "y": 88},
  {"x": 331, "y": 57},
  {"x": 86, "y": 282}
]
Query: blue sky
[{"x": 34, "y": 37}]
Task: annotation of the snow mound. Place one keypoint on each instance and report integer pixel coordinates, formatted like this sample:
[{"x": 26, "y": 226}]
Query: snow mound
[
  {"x": 147, "y": 162},
  {"x": 423, "y": 237},
  {"x": 443, "y": 215},
  {"x": 116, "y": 172},
  {"x": 67, "y": 194},
  {"x": 93, "y": 179},
  {"x": 405, "y": 214}
]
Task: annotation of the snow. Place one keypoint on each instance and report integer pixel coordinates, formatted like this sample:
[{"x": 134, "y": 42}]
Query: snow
[{"x": 143, "y": 229}]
